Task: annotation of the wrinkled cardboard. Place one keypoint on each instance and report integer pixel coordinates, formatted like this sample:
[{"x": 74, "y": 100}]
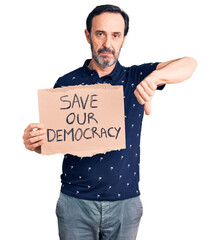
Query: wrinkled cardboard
[{"x": 82, "y": 120}]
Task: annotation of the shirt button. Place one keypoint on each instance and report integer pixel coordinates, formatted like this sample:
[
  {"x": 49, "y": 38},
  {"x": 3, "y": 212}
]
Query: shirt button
[{"x": 91, "y": 74}]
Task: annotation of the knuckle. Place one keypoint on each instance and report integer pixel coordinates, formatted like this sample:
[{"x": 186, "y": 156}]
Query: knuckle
[
  {"x": 36, "y": 145},
  {"x": 37, "y": 138},
  {"x": 31, "y": 148},
  {"x": 40, "y": 132},
  {"x": 143, "y": 83},
  {"x": 31, "y": 140},
  {"x": 139, "y": 87},
  {"x": 146, "y": 96},
  {"x": 28, "y": 147},
  {"x": 25, "y": 141},
  {"x": 153, "y": 86},
  {"x": 141, "y": 101},
  {"x": 33, "y": 133},
  {"x": 150, "y": 94},
  {"x": 135, "y": 92}
]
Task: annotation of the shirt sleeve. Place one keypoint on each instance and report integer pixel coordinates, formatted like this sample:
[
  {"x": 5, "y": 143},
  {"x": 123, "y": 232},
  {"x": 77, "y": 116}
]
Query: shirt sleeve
[
  {"x": 146, "y": 69},
  {"x": 57, "y": 83}
]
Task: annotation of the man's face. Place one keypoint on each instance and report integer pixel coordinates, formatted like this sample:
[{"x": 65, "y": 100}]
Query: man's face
[{"x": 106, "y": 38}]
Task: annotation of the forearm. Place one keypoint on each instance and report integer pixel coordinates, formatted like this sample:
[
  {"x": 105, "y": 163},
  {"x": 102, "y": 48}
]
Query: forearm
[{"x": 175, "y": 72}]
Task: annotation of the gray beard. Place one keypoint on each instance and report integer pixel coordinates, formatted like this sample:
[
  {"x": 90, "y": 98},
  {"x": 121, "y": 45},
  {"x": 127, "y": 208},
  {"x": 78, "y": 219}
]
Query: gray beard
[{"x": 102, "y": 61}]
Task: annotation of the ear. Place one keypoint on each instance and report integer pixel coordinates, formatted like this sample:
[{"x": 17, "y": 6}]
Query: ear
[
  {"x": 124, "y": 40},
  {"x": 87, "y": 36}
]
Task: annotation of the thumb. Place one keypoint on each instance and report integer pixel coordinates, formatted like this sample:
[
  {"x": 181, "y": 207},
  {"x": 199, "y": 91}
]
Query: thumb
[{"x": 147, "y": 107}]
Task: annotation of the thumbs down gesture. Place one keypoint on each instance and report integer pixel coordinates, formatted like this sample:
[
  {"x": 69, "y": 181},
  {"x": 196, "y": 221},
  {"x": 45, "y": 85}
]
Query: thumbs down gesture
[{"x": 145, "y": 91}]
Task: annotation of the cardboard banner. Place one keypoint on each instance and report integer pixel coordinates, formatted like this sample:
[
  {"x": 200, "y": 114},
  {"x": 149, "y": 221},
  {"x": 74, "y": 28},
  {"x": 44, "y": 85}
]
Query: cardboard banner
[{"x": 82, "y": 120}]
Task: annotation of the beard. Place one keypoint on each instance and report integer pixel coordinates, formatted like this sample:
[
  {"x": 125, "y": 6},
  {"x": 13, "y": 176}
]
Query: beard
[{"x": 104, "y": 61}]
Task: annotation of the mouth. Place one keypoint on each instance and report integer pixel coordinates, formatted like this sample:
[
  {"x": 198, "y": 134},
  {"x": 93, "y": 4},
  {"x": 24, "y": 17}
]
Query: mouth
[{"x": 106, "y": 53}]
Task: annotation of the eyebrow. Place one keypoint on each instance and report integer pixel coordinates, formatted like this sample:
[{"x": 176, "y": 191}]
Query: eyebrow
[
  {"x": 102, "y": 31},
  {"x": 99, "y": 31}
]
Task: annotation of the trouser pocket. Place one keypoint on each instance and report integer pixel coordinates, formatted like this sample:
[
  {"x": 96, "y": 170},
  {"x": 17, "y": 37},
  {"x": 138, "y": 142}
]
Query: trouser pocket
[{"x": 60, "y": 206}]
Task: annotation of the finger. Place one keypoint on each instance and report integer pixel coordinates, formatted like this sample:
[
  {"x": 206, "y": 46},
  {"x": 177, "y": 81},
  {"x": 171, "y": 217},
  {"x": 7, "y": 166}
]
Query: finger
[
  {"x": 34, "y": 136},
  {"x": 27, "y": 135},
  {"x": 33, "y": 147},
  {"x": 32, "y": 126},
  {"x": 30, "y": 129},
  {"x": 147, "y": 88},
  {"x": 33, "y": 140},
  {"x": 139, "y": 98},
  {"x": 37, "y": 133},
  {"x": 143, "y": 92},
  {"x": 147, "y": 107},
  {"x": 151, "y": 85}
]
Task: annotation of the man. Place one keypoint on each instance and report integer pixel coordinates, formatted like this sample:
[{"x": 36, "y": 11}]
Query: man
[{"x": 99, "y": 196}]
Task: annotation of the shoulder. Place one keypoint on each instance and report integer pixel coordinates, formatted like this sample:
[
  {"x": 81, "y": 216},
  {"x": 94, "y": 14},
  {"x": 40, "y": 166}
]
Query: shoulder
[{"x": 68, "y": 78}]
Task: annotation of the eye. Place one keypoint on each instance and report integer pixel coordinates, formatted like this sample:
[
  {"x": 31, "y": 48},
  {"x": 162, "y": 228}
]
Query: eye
[
  {"x": 116, "y": 35},
  {"x": 100, "y": 34}
]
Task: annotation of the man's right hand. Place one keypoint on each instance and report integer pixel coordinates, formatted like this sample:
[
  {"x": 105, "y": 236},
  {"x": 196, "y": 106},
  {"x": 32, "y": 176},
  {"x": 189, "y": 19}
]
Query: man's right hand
[{"x": 34, "y": 136}]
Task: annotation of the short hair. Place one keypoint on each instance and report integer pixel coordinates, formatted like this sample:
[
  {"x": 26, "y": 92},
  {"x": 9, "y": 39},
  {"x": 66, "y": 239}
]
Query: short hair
[{"x": 107, "y": 8}]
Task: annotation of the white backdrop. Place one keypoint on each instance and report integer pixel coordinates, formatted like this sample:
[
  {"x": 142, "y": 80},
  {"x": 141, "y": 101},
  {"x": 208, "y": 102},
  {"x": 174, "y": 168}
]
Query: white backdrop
[{"x": 42, "y": 40}]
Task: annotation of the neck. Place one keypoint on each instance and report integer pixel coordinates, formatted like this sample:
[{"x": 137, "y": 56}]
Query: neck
[{"x": 100, "y": 70}]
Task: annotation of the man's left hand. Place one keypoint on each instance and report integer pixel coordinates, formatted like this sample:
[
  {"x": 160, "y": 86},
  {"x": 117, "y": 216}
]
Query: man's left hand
[{"x": 145, "y": 91}]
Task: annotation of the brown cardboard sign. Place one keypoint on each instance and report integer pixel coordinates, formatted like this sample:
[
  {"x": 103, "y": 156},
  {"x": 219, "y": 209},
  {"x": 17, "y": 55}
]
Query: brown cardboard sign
[{"x": 82, "y": 120}]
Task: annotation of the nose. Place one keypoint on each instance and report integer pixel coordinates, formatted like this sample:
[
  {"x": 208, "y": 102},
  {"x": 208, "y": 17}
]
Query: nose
[{"x": 107, "y": 42}]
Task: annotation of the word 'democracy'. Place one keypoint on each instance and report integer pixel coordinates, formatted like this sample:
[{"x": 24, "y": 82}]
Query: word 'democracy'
[{"x": 82, "y": 120}]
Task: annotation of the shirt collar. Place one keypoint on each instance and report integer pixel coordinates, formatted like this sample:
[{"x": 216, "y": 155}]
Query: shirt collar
[{"x": 113, "y": 75}]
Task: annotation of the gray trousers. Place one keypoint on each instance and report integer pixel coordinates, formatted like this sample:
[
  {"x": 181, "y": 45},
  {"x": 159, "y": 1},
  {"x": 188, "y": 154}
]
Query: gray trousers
[{"x": 80, "y": 219}]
